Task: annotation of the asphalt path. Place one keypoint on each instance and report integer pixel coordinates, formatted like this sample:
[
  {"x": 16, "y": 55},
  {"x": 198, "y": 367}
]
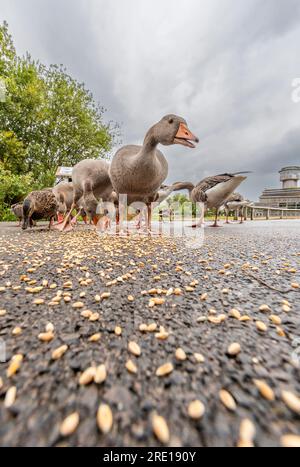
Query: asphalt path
[{"x": 93, "y": 296}]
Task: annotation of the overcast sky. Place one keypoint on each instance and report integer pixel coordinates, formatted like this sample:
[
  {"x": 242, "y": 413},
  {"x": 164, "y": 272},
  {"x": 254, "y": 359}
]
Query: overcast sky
[{"x": 226, "y": 66}]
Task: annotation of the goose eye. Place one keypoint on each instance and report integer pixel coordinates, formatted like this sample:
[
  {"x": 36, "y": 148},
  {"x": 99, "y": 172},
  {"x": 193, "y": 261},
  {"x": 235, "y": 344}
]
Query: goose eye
[{"x": 171, "y": 121}]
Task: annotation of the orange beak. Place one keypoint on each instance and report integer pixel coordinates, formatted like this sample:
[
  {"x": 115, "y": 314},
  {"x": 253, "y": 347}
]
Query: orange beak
[
  {"x": 95, "y": 220},
  {"x": 60, "y": 218},
  {"x": 184, "y": 136}
]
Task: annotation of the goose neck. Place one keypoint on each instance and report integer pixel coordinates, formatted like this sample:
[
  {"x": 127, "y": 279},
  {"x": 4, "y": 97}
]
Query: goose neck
[{"x": 150, "y": 143}]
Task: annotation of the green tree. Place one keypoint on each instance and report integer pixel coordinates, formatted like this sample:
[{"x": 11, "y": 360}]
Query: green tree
[
  {"x": 12, "y": 152},
  {"x": 72, "y": 125},
  {"x": 13, "y": 188},
  {"x": 48, "y": 119},
  {"x": 8, "y": 53}
]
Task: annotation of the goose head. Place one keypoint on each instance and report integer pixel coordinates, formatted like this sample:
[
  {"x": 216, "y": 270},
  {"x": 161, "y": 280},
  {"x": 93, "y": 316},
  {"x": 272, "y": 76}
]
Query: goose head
[
  {"x": 173, "y": 129},
  {"x": 61, "y": 204},
  {"x": 90, "y": 206}
]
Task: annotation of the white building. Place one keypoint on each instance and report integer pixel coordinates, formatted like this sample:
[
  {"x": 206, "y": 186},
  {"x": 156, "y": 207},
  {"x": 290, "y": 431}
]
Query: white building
[{"x": 289, "y": 195}]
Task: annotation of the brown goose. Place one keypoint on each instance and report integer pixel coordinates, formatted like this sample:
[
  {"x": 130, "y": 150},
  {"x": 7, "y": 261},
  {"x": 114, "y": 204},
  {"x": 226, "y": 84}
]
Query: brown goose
[
  {"x": 64, "y": 195},
  {"x": 17, "y": 210},
  {"x": 39, "y": 205},
  {"x": 166, "y": 190},
  {"x": 214, "y": 191},
  {"x": 139, "y": 171},
  {"x": 91, "y": 182},
  {"x": 238, "y": 203}
]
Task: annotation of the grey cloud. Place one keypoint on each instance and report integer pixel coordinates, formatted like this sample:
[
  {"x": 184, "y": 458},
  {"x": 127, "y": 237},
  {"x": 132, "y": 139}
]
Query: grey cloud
[
  {"x": 226, "y": 66},
  {"x": 287, "y": 152}
]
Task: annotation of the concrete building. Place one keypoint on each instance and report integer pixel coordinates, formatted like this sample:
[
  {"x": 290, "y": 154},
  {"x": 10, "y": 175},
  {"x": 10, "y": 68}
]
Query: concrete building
[{"x": 289, "y": 195}]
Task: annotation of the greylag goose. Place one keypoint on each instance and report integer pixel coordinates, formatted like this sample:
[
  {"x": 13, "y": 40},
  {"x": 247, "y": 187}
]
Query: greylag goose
[
  {"x": 214, "y": 191},
  {"x": 139, "y": 171},
  {"x": 17, "y": 210},
  {"x": 91, "y": 182},
  {"x": 238, "y": 203},
  {"x": 162, "y": 195},
  {"x": 64, "y": 195},
  {"x": 39, "y": 205},
  {"x": 167, "y": 190}
]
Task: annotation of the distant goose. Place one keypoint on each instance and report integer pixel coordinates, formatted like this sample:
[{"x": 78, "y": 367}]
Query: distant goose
[
  {"x": 237, "y": 203},
  {"x": 167, "y": 190},
  {"x": 17, "y": 210},
  {"x": 39, "y": 205},
  {"x": 64, "y": 194},
  {"x": 214, "y": 191},
  {"x": 91, "y": 182}
]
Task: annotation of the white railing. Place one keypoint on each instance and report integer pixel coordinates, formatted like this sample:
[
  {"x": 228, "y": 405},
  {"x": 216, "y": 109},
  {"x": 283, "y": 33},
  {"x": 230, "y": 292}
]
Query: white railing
[{"x": 265, "y": 212}]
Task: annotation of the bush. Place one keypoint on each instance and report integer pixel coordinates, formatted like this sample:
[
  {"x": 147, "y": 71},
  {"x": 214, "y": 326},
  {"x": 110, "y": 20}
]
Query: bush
[
  {"x": 6, "y": 214},
  {"x": 13, "y": 189}
]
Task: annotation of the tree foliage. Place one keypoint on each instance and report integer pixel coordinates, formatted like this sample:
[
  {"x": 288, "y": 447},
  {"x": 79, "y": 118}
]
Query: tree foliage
[
  {"x": 13, "y": 188},
  {"x": 48, "y": 119}
]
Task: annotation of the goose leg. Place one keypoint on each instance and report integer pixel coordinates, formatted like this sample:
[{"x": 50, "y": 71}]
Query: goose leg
[
  {"x": 60, "y": 218},
  {"x": 242, "y": 216},
  {"x": 120, "y": 214},
  {"x": 149, "y": 222},
  {"x": 117, "y": 219},
  {"x": 149, "y": 214},
  {"x": 74, "y": 219},
  {"x": 201, "y": 223},
  {"x": 65, "y": 226},
  {"x": 227, "y": 217},
  {"x": 215, "y": 224},
  {"x": 51, "y": 223},
  {"x": 198, "y": 225}
]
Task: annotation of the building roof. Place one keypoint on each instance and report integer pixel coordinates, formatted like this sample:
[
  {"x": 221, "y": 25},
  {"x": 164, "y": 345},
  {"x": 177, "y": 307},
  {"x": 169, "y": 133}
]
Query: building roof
[
  {"x": 290, "y": 168},
  {"x": 64, "y": 172},
  {"x": 282, "y": 192}
]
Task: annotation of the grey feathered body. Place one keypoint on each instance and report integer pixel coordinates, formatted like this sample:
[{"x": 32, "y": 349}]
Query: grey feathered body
[
  {"x": 138, "y": 174},
  {"x": 92, "y": 175},
  {"x": 17, "y": 210},
  {"x": 215, "y": 190},
  {"x": 64, "y": 194}
]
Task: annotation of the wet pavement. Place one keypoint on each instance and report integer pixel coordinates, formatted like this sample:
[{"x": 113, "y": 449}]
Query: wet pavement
[{"x": 201, "y": 299}]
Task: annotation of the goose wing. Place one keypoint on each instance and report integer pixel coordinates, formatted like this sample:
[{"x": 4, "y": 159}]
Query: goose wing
[
  {"x": 199, "y": 192},
  {"x": 210, "y": 182}
]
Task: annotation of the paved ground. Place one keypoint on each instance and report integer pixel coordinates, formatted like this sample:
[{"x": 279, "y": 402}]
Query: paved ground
[{"x": 248, "y": 261}]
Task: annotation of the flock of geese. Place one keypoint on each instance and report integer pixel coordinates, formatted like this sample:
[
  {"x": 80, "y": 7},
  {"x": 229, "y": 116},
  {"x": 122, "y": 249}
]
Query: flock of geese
[{"x": 137, "y": 171}]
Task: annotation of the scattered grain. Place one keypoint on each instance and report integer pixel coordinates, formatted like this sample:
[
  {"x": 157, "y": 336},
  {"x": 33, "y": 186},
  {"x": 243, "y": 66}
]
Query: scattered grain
[
  {"x": 227, "y": 400},
  {"x": 104, "y": 418},
  {"x": 70, "y": 424},
  {"x": 160, "y": 429}
]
